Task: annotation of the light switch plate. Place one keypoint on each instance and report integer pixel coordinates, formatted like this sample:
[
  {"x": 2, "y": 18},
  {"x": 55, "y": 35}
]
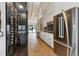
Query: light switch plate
[{"x": 1, "y": 34}]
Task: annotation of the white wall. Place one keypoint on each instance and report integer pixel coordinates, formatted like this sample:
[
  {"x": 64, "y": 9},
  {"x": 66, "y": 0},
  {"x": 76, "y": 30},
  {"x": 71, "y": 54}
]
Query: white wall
[
  {"x": 32, "y": 22},
  {"x": 59, "y": 6},
  {"x": 2, "y": 39}
]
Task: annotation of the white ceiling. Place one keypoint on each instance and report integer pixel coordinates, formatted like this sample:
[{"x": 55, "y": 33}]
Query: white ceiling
[{"x": 36, "y": 9}]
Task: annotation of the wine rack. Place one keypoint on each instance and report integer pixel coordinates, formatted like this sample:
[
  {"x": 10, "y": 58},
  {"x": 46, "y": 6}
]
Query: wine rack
[{"x": 12, "y": 34}]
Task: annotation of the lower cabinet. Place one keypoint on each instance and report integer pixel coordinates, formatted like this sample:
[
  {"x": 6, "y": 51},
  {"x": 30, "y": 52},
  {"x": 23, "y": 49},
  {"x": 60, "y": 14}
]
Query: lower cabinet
[{"x": 47, "y": 38}]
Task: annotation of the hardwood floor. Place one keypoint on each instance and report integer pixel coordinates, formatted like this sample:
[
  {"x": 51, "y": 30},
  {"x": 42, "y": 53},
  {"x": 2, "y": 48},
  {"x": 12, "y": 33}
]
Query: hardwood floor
[
  {"x": 21, "y": 51},
  {"x": 36, "y": 47}
]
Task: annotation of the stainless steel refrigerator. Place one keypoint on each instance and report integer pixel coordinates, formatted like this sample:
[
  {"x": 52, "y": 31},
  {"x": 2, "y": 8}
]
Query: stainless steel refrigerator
[{"x": 66, "y": 32}]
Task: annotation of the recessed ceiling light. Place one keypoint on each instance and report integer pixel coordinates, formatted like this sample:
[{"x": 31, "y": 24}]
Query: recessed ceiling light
[{"x": 20, "y": 6}]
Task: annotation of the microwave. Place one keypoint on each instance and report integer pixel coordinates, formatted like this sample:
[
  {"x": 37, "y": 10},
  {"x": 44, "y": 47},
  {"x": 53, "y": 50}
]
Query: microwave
[{"x": 50, "y": 27}]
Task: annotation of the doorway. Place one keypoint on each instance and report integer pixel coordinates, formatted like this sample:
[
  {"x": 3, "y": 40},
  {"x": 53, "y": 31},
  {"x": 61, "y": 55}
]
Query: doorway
[{"x": 32, "y": 28}]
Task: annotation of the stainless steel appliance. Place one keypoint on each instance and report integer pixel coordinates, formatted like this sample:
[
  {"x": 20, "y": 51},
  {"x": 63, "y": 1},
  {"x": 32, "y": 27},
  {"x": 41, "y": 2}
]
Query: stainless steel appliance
[
  {"x": 50, "y": 27},
  {"x": 65, "y": 26}
]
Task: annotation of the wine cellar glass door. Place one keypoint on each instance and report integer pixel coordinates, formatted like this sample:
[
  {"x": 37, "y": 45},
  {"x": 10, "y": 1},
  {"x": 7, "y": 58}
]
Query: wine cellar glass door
[{"x": 16, "y": 34}]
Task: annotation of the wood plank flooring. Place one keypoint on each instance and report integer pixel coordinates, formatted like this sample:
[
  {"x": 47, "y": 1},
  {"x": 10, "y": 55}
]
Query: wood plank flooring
[{"x": 36, "y": 47}]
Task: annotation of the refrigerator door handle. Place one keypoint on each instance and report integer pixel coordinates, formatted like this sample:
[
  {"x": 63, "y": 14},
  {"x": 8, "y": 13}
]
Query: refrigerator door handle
[
  {"x": 67, "y": 33},
  {"x": 65, "y": 19}
]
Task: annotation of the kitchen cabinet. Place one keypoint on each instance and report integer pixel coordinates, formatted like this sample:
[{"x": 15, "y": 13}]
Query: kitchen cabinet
[{"x": 47, "y": 38}]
